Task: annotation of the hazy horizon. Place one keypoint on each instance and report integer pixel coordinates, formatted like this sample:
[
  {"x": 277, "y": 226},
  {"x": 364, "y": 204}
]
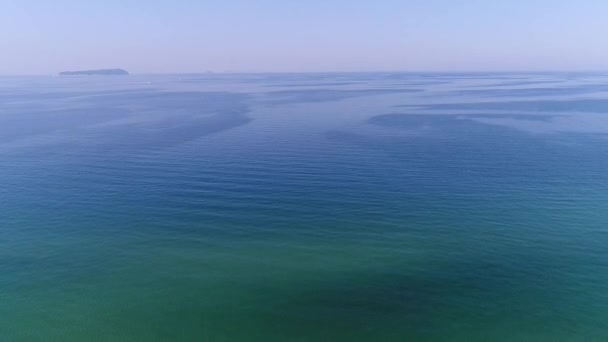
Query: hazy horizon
[
  {"x": 286, "y": 72},
  {"x": 158, "y": 37}
]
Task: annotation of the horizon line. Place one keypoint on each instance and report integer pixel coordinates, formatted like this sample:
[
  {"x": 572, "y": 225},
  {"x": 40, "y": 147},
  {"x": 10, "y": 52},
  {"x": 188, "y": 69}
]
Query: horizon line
[{"x": 326, "y": 72}]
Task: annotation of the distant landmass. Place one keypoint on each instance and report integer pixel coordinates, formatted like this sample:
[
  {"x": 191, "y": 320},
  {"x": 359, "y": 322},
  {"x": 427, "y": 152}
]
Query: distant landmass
[{"x": 95, "y": 72}]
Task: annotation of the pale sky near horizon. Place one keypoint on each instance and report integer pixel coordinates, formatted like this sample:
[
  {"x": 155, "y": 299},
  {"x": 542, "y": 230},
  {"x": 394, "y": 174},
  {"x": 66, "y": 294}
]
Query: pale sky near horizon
[{"x": 163, "y": 36}]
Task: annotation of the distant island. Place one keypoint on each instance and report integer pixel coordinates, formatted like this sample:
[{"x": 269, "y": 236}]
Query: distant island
[{"x": 95, "y": 72}]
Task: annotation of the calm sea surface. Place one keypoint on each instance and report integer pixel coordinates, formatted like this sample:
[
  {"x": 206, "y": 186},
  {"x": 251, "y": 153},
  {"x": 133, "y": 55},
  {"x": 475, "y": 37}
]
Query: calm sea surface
[{"x": 304, "y": 207}]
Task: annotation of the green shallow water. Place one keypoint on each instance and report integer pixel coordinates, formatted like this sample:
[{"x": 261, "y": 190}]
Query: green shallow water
[{"x": 304, "y": 207}]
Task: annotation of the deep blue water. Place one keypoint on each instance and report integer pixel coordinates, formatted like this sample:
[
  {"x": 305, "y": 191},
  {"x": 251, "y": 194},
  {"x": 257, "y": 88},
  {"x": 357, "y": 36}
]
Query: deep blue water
[{"x": 304, "y": 207}]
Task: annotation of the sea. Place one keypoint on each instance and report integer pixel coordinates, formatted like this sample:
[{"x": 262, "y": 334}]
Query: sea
[{"x": 304, "y": 207}]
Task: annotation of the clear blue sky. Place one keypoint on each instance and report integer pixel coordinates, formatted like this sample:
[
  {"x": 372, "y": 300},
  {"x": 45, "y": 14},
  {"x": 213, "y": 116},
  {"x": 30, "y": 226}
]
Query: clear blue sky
[{"x": 162, "y": 36}]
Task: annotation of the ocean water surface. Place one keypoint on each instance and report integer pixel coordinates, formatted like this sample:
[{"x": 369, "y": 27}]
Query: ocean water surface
[{"x": 304, "y": 207}]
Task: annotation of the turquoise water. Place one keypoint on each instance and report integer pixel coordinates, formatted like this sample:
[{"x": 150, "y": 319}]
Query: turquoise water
[{"x": 304, "y": 207}]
